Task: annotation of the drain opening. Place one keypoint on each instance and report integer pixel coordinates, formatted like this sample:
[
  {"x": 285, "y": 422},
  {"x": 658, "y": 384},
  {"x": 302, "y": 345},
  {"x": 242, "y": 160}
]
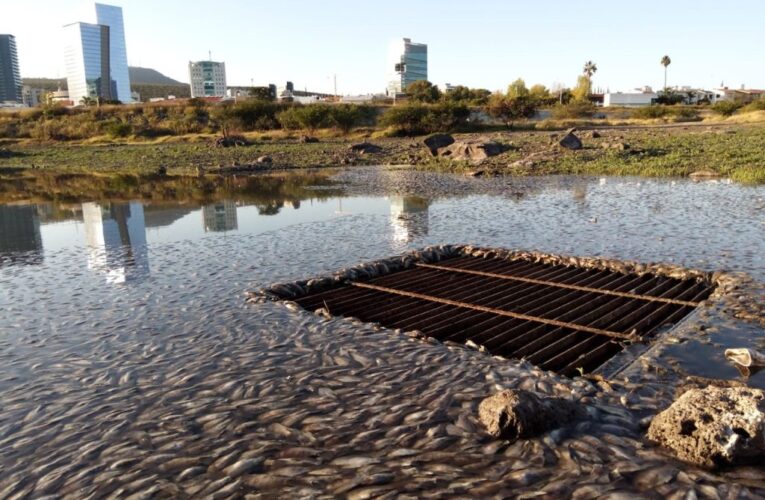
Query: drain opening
[{"x": 559, "y": 317}]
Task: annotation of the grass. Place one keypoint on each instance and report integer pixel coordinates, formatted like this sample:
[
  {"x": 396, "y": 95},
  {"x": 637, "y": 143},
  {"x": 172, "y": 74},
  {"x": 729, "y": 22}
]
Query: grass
[{"x": 731, "y": 147}]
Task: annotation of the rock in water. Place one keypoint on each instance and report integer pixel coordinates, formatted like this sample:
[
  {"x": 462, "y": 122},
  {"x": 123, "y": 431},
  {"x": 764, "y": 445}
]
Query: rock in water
[
  {"x": 570, "y": 141},
  {"x": 714, "y": 426},
  {"x": 437, "y": 141},
  {"x": 514, "y": 414}
]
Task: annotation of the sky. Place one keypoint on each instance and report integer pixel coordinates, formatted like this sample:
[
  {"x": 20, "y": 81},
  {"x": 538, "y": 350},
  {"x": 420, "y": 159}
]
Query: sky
[{"x": 478, "y": 43}]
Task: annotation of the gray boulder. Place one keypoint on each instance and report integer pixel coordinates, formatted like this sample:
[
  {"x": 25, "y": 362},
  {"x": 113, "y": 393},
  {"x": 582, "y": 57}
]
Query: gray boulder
[
  {"x": 714, "y": 426},
  {"x": 571, "y": 141},
  {"x": 517, "y": 414},
  {"x": 474, "y": 151},
  {"x": 437, "y": 141}
]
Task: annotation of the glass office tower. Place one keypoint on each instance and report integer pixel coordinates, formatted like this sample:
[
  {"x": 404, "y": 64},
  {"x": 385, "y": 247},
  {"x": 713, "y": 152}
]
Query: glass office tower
[
  {"x": 10, "y": 78},
  {"x": 111, "y": 16},
  {"x": 408, "y": 63},
  {"x": 95, "y": 58}
]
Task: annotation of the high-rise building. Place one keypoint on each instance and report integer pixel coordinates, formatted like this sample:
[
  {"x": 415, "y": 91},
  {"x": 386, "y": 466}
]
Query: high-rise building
[
  {"x": 220, "y": 216},
  {"x": 208, "y": 78},
  {"x": 115, "y": 234},
  {"x": 408, "y": 63},
  {"x": 10, "y": 78},
  {"x": 95, "y": 57}
]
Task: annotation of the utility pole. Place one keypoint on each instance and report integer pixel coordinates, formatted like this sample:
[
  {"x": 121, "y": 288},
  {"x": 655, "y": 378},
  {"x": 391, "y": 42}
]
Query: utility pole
[{"x": 335, "y": 77}]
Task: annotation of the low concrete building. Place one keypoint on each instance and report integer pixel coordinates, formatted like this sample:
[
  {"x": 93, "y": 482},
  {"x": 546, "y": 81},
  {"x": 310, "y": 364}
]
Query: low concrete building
[
  {"x": 32, "y": 97},
  {"x": 742, "y": 95},
  {"x": 629, "y": 99}
]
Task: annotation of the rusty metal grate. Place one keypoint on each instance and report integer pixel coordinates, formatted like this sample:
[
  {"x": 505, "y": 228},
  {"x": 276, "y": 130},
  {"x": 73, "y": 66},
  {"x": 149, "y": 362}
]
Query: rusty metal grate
[{"x": 561, "y": 318}]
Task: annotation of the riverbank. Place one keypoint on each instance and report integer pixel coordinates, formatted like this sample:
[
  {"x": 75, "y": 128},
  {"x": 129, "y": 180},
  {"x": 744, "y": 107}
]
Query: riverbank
[{"x": 728, "y": 149}]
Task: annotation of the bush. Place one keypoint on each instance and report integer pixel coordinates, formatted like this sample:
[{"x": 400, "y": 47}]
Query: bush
[
  {"x": 649, "y": 112},
  {"x": 725, "y": 108},
  {"x": 257, "y": 114},
  {"x": 347, "y": 116},
  {"x": 310, "y": 117},
  {"x": 413, "y": 119},
  {"x": 758, "y": 105},
  {"x": 119, "y": 129},
  {"x": 574, "y": 109},
  {"x": 686, "y": 114}
]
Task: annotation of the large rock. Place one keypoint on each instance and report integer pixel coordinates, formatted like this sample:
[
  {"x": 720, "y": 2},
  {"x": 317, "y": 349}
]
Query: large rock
[
  {"x": 365, "y": 147},
  {"x": 474, "y": 151},
  {"x": 437, "y": 141},
  {"x": 515, "y": 414},
  {"x": 714, "y": 426},
  {"x": 571, "y": 141}
]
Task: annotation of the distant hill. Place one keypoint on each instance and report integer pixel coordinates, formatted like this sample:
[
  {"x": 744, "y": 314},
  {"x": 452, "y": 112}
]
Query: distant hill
[
  {"x": 146, "y": 81},
  {"x": 148, "y": 76}
]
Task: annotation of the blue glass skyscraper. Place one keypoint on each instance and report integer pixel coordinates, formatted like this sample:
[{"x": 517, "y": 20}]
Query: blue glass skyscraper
[{"x": 96, "y": 58}]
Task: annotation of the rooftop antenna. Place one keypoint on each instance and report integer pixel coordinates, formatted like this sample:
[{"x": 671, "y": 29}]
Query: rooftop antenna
[{"x": 209, "y": 55}]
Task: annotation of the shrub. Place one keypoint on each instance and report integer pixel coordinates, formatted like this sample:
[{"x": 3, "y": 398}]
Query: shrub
[
  {"x": 257, "y": 114},
  {"x": 414, "y": 119},
  {"x": 347, "y": 116},
  {"x": 686, "y": 114},
  {"x": 758, "y": 105},
  {"x": 649, "y": 112},
  {"x": 310, "y": 117},
  {"x": 725, "y": 108},
  {"x": 574, "y": 109},
  {"x": 119, "y": 129}
]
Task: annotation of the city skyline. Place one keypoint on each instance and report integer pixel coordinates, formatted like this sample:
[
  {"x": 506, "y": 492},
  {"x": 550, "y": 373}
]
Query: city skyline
[{"x": 486, "y": 44}]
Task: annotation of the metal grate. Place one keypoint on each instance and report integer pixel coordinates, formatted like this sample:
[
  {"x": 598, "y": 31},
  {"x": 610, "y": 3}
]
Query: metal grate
[{"x": 561, "y": 318}]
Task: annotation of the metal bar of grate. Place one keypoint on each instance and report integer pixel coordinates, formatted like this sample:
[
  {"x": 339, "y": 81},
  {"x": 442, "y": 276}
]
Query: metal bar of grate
[
  {"x": 559, "y": 317},
  {"x": 561, "y": 285}
]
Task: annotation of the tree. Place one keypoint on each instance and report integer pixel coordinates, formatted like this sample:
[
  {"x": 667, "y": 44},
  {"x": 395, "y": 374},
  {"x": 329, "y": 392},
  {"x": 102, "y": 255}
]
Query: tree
[
  {"x": 423, "y": 91},
  {"x": 590, "y": 68},
  {"x": 582, "y": 89},
  {"x": 510, "y": 109},
  {"x": 665, "y": 61},
  {"x": 262, "y": 93},
  {"x": 517, "y": 89},
  {"x": 539, "y": 93},
  {"x": 464, "y": 95}
]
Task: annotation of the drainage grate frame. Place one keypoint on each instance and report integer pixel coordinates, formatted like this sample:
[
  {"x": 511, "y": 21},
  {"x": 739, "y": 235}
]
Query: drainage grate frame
[{"x": 564, "y": 314}]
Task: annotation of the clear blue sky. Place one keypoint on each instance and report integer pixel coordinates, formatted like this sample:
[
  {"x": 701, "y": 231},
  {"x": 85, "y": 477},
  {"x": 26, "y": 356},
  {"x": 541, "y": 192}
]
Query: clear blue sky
[{"x": 479, "y": 43}]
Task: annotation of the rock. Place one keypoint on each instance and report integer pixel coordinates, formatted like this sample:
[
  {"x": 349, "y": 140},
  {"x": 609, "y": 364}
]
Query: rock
[
  {"x": 264, "y": 159},
  {"x": 438, "y": 141},
  {"x": 714, "y": 426},
  {"x": 595, "y": 134},
  {"x": 474, "y": 151},
  {"x": 475, "y": 173},
  {"x": 161, "y": 171},
  {"x": 515, "y": 414},
  {"x": 704, "y": 174},
  {"x": 232, "y": 140},
  {"x": 307, "y": 139},
  {"x": 6, "y": 153},
  {"x": 621, "y": 146},
  {"x": 570, "y": 141},
  {"x": 365, "y": 147}
]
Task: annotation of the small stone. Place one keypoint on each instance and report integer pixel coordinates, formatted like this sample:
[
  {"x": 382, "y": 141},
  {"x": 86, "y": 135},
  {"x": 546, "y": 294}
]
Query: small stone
[
  {"x": 437, "y": 141},
  {"x": 515, "y": 414},
  {"x": 264, "y": 159}
]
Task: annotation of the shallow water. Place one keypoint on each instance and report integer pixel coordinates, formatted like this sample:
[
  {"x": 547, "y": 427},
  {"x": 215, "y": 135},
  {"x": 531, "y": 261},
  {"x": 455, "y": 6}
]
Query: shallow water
[{"x": 124, "y": 334}]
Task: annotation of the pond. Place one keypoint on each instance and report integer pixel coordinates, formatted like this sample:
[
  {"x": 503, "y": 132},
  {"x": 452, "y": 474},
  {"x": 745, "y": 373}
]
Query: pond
[{"x": 126, "y": 343}]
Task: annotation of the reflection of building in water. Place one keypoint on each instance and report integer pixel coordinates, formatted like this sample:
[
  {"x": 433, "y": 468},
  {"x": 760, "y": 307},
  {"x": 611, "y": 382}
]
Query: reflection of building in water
[
  {"x": 20, "y": 239},
  {"x": 116, "y": 237},
  {"x": 220, "y": 216},
  {"x": 409, "y": 216}
]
